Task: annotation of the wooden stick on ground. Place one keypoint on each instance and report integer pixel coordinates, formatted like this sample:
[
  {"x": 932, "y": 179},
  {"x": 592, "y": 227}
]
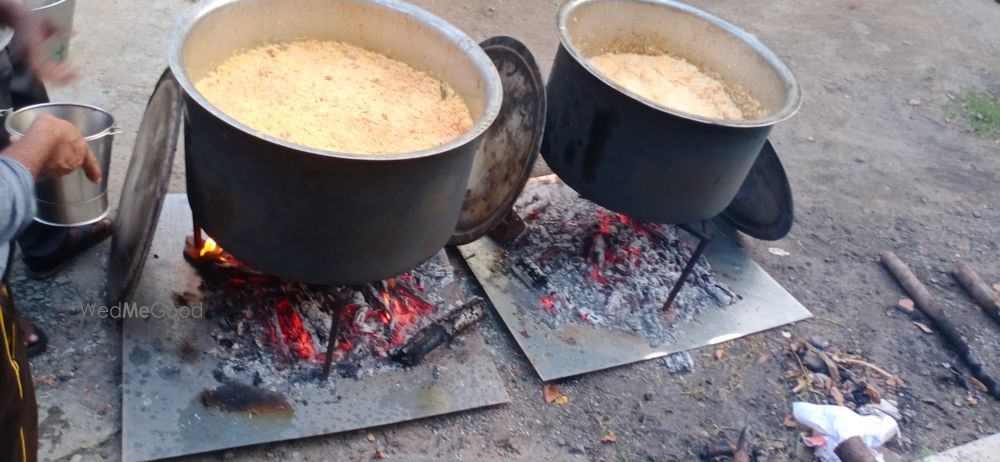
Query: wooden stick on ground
[
  {"x": 742, "y": 453},
  {"x": 980, "y": 292},
  {"x": 854, "y": 450},
  {"x": 925, "y": 302}
]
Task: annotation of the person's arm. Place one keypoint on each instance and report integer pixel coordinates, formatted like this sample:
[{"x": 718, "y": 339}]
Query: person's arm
[
  {"x": 51, "y": 148},
  {"x": 17, "y": 198},
  {"x": 31, "y": 33},
  {"x": 10, "y": 13}
]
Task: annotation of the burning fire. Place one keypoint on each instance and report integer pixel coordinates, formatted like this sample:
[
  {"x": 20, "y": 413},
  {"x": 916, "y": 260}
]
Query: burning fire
[
  {"x": 293, "y": 332},
  {"x": 209, "y": 247},
  {"x": 383, "y": 315}
]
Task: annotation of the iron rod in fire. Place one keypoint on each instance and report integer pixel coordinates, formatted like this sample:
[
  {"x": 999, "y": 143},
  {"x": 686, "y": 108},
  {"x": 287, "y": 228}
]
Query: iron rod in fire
[
  {"x": 334, "y": 333},
  {"x": 440, "y": 332}
]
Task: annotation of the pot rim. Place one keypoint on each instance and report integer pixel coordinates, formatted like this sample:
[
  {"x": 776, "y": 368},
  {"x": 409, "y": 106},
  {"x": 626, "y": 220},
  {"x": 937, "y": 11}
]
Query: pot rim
[
  {"x": 792, "y": 103},
  {"x": 46, "y": 6},
  {"x": 110, "y": 130},
  {"x": 494, "y": 90}
]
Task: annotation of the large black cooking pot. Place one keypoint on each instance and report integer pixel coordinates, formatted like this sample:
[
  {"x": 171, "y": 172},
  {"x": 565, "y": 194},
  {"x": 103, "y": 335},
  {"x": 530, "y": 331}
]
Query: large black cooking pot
[
  {"x": 640, "y": 158},
  {"x": 312, "y": 215}
]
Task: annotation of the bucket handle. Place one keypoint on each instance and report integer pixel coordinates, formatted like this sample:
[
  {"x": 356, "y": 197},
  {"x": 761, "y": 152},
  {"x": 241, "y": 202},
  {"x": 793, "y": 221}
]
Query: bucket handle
[{"x": 110, "y": 131}]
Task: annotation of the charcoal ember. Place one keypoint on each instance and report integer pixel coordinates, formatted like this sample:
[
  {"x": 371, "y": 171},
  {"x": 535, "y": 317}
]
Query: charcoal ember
[
  {"x": 270, "y": 332},
  {"x": 534, "y": 272},
  {"x": 605, "y": 269}
]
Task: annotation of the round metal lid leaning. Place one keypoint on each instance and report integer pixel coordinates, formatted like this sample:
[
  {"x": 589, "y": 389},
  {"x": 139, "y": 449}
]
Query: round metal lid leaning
[
  {"x": 146, "y": 182},
  {"x": 511, "y": 144},
  {"x": 763, "y": 206}
]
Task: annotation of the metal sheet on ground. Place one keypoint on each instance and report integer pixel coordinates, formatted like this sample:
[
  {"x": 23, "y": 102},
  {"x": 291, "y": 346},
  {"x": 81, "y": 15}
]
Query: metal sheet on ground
[
  {"x": 163, "y": 416},
  {"x": 575, "y": 349}
]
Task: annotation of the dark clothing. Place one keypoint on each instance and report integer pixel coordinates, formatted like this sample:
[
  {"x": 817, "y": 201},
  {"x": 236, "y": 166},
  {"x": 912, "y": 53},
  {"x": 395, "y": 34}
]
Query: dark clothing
[{"x": 18, "y": 409}]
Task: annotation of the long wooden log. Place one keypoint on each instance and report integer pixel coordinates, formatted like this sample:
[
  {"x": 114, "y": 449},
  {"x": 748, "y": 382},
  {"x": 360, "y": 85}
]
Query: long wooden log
[
  {"x": 438, "y": 333},
  {"x": 981, "y": 293},
  {"x": 927, "y": 305},
  {"x": 742, "y": 453}
]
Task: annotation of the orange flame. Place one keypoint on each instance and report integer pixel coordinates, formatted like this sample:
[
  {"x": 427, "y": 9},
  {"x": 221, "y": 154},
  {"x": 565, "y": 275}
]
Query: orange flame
[{"x": 209, "y": 247}]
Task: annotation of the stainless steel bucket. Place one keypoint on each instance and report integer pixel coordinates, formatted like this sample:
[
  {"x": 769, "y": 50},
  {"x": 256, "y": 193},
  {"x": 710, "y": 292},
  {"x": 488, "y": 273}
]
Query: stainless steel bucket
[
  {"x": 60, "y": 14},
  {"x": 72, "y": 200}
]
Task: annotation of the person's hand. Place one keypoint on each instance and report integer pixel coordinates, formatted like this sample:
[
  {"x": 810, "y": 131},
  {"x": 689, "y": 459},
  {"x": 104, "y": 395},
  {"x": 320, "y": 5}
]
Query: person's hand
[
  {"x": 31, "y": 32},
  {"x": 52, "y": 148}
]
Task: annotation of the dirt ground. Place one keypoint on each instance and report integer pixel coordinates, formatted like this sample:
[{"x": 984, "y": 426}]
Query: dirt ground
[{"x": 879, "y": 158}]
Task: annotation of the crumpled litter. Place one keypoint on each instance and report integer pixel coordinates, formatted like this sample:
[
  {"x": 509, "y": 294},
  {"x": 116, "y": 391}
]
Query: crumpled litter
[{"x": 835, "y": 424}]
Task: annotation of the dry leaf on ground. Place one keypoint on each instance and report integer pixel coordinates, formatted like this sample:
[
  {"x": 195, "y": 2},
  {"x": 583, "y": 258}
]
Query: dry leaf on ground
[
  {"x": 923, "y": 327},
  {"x": 550, "y": 391},
  {"x": 609, "y": 437},
  {"x": 790, "y": 422},
  {"x": 380, "y": 454},
  {"x": 562, "y": 400},
  {"x": 838, "y": 397},
  {"x": 978, "y": 385},
  {"x": 720, "y": 352},
  {"x": 906, "y": 305}
]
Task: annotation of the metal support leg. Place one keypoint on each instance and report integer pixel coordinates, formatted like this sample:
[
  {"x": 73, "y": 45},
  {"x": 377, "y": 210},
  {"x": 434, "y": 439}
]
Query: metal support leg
[
  {"x": 704, "y": 239},
  {"x": 334, "y": 334},
  {"x": 199, "y": 241}
]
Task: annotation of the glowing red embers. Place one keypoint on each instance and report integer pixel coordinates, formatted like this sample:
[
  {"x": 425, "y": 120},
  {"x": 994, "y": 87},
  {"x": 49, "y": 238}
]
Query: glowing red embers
[
  {"x": 293, "y": 333},
  {"x": 549, "y": 302}
]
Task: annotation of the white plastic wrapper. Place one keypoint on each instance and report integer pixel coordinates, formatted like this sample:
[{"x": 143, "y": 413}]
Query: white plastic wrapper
[{"x": 837, "y": 423}]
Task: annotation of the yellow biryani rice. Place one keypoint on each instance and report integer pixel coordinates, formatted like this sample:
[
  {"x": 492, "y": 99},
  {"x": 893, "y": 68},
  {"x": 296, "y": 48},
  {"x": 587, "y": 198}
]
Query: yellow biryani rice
[
  {"x": 337, "y": 97},
  {"x": 678, "y": 84}
]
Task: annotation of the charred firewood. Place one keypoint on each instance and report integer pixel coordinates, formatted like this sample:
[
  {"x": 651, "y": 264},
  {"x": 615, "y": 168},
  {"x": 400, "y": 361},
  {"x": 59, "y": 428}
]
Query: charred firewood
[
  {"x": 438, "y": 333},
  {"x": 534, "y": 275}
]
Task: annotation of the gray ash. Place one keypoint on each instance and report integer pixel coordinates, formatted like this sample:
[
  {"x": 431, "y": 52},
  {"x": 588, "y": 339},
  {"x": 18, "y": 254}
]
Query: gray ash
[
  {"x": 271, "y": 332},
  {"x": 589, "y": 265}
]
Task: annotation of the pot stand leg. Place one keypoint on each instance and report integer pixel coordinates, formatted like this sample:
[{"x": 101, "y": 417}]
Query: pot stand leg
[
  {"x": 704, "y": 238},
  {"x": 199, "y": 242},
  {"x": 335, "y": 317}
]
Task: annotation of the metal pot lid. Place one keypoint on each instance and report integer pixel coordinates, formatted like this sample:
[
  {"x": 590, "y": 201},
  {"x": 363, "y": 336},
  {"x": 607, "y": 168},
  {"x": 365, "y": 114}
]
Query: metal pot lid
[
  {"x": 145, "y": 186},
  {"x": 763, "y": 207},
  {"x": 510, "y": 146}
]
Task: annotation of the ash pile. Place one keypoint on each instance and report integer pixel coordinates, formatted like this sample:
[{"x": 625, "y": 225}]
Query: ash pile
[
  {"x": 272, "y": 332},
  {"x": 589, "y": 265}
]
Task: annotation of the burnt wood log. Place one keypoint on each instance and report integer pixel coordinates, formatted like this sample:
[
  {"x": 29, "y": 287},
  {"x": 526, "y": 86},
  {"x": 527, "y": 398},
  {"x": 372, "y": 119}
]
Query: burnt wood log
[
  {"x": 977, "y": 288},
  {"x": 927, "y": 305},
  {"x": 439, "y": 332},
  {"x": 854, "y": 450},
  {"x": 716, "y": 451}
]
